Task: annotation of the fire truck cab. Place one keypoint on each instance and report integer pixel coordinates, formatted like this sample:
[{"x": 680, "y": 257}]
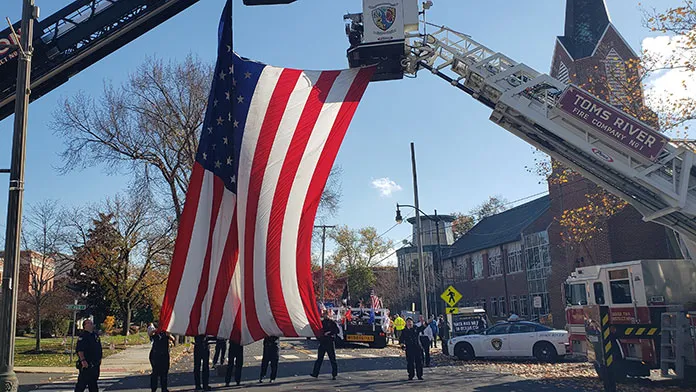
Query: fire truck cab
[{"x": 647, "y": 306}]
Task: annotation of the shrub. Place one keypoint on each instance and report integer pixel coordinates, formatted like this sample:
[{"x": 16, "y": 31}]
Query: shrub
[{"x": 109, "y": 324}]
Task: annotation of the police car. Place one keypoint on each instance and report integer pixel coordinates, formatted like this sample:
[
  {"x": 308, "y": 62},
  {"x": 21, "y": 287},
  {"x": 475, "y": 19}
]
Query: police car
[{"x": 512, "y": 339}]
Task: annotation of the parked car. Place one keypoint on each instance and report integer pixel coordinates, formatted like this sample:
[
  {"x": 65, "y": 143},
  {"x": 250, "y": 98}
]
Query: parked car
[{"x": 512, "y": 339}]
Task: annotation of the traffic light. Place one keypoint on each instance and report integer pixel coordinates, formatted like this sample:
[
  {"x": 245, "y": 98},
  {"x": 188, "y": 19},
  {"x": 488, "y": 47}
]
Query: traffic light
[{"x": 267, "y": 2}]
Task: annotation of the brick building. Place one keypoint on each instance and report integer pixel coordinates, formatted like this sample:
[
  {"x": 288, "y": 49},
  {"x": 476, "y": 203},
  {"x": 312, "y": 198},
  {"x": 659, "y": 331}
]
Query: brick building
[
  {"x": 593, "y": 54},
  {"x": 503, "y": 262},
  {"x": 32, "y": 265}
]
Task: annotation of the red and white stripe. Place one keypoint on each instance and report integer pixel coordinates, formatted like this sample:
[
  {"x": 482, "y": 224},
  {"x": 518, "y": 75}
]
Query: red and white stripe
[{"x": 241, "y": 266}]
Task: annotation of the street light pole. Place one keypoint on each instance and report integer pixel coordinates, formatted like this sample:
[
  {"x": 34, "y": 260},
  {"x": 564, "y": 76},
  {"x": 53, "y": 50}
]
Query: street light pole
[
  {"x": 8, "y": 314},
  {"x": 419, "y": 235}
]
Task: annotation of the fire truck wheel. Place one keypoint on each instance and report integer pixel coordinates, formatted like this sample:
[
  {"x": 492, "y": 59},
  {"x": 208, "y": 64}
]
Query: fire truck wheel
[
  {"x": 545, "y": 352},
  {"x": 464, "y": 351}
]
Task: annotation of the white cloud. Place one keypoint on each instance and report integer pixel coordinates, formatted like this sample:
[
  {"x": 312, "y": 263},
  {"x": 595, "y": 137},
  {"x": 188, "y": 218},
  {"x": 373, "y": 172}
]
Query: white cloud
[
  {"x": 385, "y": 186},
  {"x": 664, "y": 87}
]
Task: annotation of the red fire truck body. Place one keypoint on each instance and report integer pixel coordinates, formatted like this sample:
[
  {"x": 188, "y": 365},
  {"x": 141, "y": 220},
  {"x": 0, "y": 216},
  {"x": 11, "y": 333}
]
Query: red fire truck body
[{"x": 649, "y": 305}]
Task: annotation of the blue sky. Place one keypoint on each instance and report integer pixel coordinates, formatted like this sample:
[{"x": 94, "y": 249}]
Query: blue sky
[{"x": 462, "y": 157}]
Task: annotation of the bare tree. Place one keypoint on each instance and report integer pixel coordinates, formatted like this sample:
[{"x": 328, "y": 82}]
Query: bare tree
[
  {"x": 44, "y": 240},
  {"x": 150, "y": 125}
]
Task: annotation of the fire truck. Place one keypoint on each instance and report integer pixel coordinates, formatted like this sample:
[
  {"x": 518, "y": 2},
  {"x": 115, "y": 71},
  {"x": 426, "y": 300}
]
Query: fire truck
[
  {"x": 647, "y": 306},
  {"x": 362, "y": 325}
]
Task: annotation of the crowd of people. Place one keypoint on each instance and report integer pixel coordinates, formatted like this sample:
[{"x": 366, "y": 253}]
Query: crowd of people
[{"x": 415, "y": 338}]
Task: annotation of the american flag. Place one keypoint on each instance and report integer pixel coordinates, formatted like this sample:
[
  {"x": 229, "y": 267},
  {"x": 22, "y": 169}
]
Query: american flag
[
  {"x": 241, "y": 265},
  {"x": 376, "y": 301}
]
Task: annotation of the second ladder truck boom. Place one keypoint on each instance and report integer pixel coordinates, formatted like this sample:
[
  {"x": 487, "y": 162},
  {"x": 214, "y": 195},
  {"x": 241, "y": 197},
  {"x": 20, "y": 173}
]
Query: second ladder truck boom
[{"x": 601, "y": 142}]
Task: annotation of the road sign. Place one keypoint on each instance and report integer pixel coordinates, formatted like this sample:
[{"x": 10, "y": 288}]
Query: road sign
[
  {"x": 76, "y": 307},
  {"x": 452, "y": 310},
  {"x": 451, "y": 296},
  {"x": 537, "y": 302}
]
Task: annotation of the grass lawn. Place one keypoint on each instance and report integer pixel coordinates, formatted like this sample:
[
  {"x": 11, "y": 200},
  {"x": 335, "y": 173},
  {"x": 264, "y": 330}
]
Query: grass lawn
[{"x": 56, "y": 351}]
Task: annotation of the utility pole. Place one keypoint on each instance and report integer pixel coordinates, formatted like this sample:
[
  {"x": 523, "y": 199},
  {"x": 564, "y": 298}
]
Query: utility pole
[
  {"x": 8, "y": 314},
  {"x": 323, "y": 247},
  {"x": 419, "y": 236}
]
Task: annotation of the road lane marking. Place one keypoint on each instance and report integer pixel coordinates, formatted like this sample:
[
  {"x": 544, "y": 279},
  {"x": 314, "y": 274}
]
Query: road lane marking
[
  {"x": 368, "y": 355},
  {"x": 258, "y": 357},
  {"x": 344, "y": 355},
  {"x": 290, "y": 356}
]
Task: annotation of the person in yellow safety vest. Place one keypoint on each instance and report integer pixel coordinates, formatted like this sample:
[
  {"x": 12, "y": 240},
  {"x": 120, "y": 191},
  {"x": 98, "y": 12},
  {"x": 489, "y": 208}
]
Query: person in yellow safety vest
[{"x": 399, "y": 325}]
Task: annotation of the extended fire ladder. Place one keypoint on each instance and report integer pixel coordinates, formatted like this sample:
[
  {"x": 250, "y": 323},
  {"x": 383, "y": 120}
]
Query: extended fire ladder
[
  {"x": 525, "y": 102},
  {"x": 77, "y": 36}
]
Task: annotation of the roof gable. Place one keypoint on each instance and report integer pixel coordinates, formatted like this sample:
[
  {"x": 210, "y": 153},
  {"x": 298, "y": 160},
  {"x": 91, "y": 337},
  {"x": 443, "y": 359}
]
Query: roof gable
[{"x": 500, "y": 228}]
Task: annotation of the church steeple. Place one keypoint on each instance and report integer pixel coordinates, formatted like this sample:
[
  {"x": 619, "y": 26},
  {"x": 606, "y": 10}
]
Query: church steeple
[{"x": 586, "y": 21}]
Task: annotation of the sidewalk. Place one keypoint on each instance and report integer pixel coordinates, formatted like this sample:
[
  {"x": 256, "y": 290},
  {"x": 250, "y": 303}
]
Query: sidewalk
[{"x": 133, "y": 360}]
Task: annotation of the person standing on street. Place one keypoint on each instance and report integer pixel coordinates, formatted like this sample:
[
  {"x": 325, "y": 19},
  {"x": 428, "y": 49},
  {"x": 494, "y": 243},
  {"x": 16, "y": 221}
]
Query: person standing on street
[
  {"x": 425, "y": 337},
  {"x": 443, "y": 331},
  {"x": 89, "y": 350},
  {"x": 220, "y": 348},
  {"x": 329, "y": 330},
  {"x": 235, "y": 361},
  {"x": 399, "y": 325},
  {"x": 159, "y": 359},
  {"x": 414, "y": 352},
  {"x": 201, "y": 356},
  {"x": 271, "y": 354},
  {"x": 433, "y": 327}
]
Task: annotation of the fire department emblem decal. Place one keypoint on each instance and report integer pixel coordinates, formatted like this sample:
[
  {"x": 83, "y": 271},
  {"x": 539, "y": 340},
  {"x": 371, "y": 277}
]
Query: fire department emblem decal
[
  {"x": 497, "y": 344},
  {"x": 384, "y": 16}
]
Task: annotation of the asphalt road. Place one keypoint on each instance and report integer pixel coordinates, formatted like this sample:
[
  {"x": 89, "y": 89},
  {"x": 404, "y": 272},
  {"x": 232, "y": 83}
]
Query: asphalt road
[{"x": 360, "y": 368}]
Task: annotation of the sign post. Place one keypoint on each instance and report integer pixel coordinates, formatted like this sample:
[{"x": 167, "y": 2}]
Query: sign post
[
  {"x": 74, "y": 307},
  {"x": 537, "y": 305}
]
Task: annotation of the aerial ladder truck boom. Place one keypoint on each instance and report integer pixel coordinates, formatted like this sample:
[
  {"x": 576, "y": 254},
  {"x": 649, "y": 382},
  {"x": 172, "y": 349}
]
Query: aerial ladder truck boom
[
  {"x": 77, "y": 36},
  {"x": 652, "y": 173}
]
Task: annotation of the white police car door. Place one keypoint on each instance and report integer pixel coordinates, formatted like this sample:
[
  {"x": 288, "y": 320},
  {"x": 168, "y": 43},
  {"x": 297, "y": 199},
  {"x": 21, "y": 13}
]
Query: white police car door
[
  {"x": 522, "y": 338},
  {"x": 496, "y": 342}
]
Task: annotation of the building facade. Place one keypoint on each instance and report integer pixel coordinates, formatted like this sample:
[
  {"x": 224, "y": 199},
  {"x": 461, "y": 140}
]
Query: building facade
[
  {"x": 437, "y": 239},
  {"x": 503, "y": 262},
  {"x": 593, "y": 55}
]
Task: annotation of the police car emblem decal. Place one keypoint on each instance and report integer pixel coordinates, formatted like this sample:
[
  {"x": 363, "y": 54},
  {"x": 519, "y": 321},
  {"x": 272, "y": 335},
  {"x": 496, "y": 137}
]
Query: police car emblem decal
[{"x": 497, "y": 344}]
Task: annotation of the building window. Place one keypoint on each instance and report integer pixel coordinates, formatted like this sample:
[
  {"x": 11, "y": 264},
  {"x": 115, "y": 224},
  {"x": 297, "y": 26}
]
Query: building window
[
  {"x": 524, "y": 305},
  {"x": 483, "y": 304},
  {"x": 502, "y": 307},
  {"x": 495, "y": 264},
  {"x": 538, "y": 261},
  {"x": 615, "y": 68},
  {"x": 563, "y": 73},
  {"x": 514, "y": 259},
  {"x": 514, "y": 307},
  {"x": 494, "y": 306},
  {"x": 461, "y": 268},
  {"x": 477, "y": 261}
]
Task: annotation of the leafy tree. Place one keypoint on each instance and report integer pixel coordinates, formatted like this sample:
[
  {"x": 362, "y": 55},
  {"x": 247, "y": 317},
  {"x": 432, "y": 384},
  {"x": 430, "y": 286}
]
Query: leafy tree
[
  {"x": 125, "y": 256},
  {"x": 494, "y": 205},
  {"x": 361, "y": 281},
  {"x": 358, "y": 248},
  {"x": 461, "y": 224}
]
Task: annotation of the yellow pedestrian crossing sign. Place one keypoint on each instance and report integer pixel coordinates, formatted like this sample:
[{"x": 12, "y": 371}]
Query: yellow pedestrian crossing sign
[
  {"x": 452, "y": 310},
  {"x": 451, "y": 296}
]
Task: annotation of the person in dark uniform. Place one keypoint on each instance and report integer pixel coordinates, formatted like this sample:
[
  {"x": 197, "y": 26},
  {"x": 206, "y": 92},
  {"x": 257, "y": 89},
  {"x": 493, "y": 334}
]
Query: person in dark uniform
[
  {"x": 89, "y": 350},
  {"x": 414, "y": 352},
  {"x": 271, "y": 353},
  {"x": 201, "y": 356},
  {"x": 329, "y": 330},
  {"x": 159, "y": 359},
  {"x": 236, "y": 361},
  {"x": 220, "y": 348}
]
